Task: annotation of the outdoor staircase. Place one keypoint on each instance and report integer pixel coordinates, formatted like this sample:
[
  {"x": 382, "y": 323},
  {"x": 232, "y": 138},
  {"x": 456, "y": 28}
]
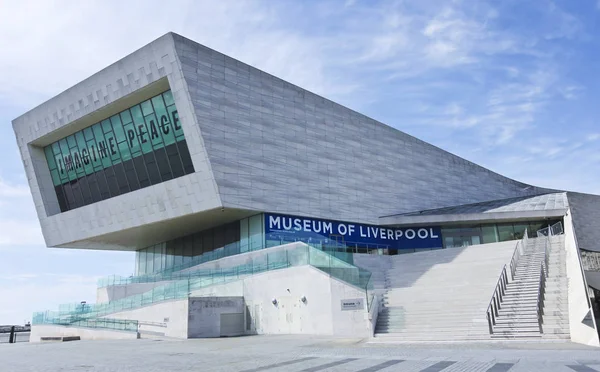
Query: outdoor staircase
[
  {"x": 440, "y": 295},
  {"x": 518, "y": 311}
]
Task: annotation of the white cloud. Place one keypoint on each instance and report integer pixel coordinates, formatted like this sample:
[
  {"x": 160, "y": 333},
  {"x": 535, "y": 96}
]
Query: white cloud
[
  {"x": 46, "y": 56},
  {"x": 593, "y": 136}
]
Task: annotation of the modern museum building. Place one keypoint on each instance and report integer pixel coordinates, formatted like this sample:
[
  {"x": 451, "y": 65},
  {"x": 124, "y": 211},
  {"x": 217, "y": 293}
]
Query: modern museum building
[{"x": 257, "y": 207}]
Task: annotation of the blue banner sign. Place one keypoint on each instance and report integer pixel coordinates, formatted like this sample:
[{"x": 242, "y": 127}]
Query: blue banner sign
[{"x": 292, "y": 228}]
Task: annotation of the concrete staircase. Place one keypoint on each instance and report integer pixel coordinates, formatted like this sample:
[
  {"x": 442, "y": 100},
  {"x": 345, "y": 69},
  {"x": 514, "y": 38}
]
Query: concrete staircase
[
  {"x": 377, "y": 266},
  {"x": 440, "y": 295},
  {"x": 517, "y": 317}
]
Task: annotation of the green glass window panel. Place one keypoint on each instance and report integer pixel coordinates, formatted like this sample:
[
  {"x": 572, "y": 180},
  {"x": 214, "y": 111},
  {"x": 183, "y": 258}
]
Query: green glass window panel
[
  {"x": 88, "y": 134},
  {"x": 506, "y": 232},
  {"x": 136, "y": 132},
  {"x": 174, "y": 117},
  {"x": 126, "y": 117},
  {"x": 118, "y": 129},
  {"x": 91, "y": 148},
  {"x": 83, "y": 155},
  {"x": 76, "y": 154},
  {"x": 71, "y": 141},
  {"x": 50, "y": 157},
  {"x": 534, "y": 227},
  {"x": 489, "y": 234},
  {"x": 60, "y": 176},
  {"x": 153, "y": 124},
  {"x": 124, "y": 150},
  {"x": 127, "y": 147},
  {"x": 164, "y": 123},
  {"x": 111, "y": 143},
  {"x": 147, "y": 108},
  {"x": 520, "y": 230},
  {"x": 55, "y": 176},
  {"x": 106, "y": 126},
  {"x": 64, "y": 150},
  {"x": 168, "y": 97},
  {"x": 101, "y": 147},
  {"x": 156, "y": 140},
  {"x": 149, "y": 133}
]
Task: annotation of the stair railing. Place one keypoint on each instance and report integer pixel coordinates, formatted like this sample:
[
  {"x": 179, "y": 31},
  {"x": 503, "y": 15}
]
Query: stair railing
[
  {"x": 541, "y": 297},
  {"x": 519, "y": 251},
  {"x": 496, "y": 300},
  {"x": 542, "y": 284}
]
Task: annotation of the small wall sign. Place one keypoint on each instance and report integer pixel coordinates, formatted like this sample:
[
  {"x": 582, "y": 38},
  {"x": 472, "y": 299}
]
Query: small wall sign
[{"x": 353, "y": 304}]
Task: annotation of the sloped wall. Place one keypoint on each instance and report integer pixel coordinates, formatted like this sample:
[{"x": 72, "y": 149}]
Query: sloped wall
[
  {"x": 276, "y": 147},
  {"x": 585, "y": 210},
  {"x": 581, "y": 318}
]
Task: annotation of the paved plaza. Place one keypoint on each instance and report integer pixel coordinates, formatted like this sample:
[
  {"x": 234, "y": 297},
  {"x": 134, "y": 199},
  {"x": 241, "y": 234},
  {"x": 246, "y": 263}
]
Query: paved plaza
[{"x": 294, "y": 354}]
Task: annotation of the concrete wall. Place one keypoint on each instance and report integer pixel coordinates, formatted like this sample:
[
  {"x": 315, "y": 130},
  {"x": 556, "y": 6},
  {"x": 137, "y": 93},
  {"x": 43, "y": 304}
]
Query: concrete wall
[
  {"x": 38, "y": 331},
  {"x": 206, "y": 316},
  {"x": 173, "y": 313},
  {"x": 585, "y": 209},
  {"x": 581, "y": 318},
  {"x": 320, "y": 315}
]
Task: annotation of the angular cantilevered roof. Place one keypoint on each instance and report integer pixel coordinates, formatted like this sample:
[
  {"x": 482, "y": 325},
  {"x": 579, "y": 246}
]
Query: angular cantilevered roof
[{"x": 527, "y": 207}]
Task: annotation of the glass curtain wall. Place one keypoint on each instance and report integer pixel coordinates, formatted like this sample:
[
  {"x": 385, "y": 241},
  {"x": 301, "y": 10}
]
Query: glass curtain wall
[
  {"x": 462, "y": 236},
  {"x": 226, "y": 240}
]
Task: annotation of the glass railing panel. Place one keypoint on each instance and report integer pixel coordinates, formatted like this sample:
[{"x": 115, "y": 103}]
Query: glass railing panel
[{"x": 181, "y": 284}]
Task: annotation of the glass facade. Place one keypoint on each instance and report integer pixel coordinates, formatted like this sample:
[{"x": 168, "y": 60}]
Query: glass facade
[
  {"x": 138, "y": 147},
  {"x": 462, "y": 236},
  {"x": 250, "y": 234},
  {"x": 226, "y": 240}
]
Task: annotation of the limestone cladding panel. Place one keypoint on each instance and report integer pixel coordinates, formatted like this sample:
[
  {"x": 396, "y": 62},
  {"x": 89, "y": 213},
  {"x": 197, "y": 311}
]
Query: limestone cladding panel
[
  {"x": 585, "y": 209},
  {"x": 276, "y": 147},
  {"x": 185, "y": 195}
]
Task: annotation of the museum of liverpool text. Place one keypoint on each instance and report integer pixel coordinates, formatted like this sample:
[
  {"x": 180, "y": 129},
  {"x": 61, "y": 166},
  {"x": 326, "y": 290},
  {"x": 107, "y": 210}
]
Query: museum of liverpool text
[{"x": 232, "y": 186}]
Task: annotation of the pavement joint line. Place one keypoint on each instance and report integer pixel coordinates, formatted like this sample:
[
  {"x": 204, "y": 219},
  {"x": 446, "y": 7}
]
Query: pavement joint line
[
  {"x": 439, "y": 366},
  {"x": 383, "y": 365},
  {"x": 281, "y": 364},
  {"x": 329, "y": 365},
  {"x": 500, "y": 367}
]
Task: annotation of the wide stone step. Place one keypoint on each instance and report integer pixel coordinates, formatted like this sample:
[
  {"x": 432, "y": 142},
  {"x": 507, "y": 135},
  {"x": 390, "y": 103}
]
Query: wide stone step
[
  {"x": 431, "y": 321},
  {"x": 439, "y": 331}
]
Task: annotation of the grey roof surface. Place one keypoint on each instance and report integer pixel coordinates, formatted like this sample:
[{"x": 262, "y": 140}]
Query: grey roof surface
[
  {"x": 585, "y": 209},
  {"x": 544, "y": 202}
]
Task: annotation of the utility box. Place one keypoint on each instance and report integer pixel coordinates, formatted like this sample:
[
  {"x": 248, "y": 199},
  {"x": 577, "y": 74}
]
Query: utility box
[{"x": 215, "y": 317}]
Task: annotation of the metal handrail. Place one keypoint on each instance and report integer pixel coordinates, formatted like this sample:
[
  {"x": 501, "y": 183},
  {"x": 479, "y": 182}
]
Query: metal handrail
[
  {"x": 515, "y": 260},
  {"x": 544, "y": 269},
  {"x": 541, "y": 297},
  {"x": 496, "y": 300},
  {"x": 519, "y": 251},
  {"x": 547, "y": 256}
]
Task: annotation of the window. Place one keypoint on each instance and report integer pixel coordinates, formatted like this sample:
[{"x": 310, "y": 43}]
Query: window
[
  {"x": 138, "y": 147},
  {"x": 506, "y": 232}
]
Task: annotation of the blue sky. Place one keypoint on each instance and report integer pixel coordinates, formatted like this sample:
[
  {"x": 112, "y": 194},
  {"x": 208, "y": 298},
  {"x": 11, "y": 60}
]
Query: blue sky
[{"x": 508, "y": 84}]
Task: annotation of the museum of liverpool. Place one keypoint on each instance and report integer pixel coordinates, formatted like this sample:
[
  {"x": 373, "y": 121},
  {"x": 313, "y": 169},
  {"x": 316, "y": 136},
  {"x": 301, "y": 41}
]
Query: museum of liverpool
[{"x": 256, "y": 207}]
